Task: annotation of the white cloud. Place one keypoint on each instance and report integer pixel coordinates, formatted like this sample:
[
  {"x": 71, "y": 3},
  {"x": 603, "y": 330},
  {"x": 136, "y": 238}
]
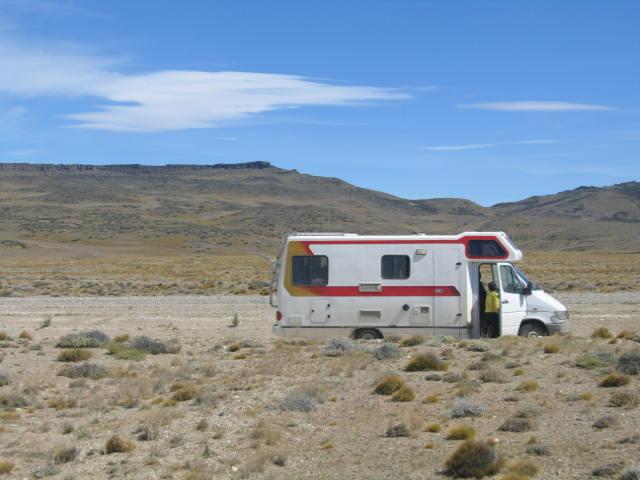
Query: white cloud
[
  {"x": 477, "y": 146},
  {"x": 536, "y": 106},
  {"x": 164, "y": 100},
  {"x": 27, "y": 152}
]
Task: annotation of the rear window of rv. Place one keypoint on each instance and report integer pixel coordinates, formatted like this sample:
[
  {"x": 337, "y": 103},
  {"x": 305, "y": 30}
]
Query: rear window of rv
[
  {"x": 486, "y": 249},
  {"x": 395, "y": 267},
  {"x": 311, "y": 270}
]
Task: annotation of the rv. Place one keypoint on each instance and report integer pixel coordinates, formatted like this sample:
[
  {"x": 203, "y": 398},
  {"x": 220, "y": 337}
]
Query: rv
[{"x": 368, "y": 287}]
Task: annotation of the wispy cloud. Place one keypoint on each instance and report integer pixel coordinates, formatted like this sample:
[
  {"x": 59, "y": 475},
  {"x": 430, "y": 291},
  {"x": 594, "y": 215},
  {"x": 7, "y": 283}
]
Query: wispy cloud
[
  {"x": 169, "y": 99},
  {"x": 536, "y": 106},
  {"x": 478, "y": 146},
  {"x": 27, "y": 152}
]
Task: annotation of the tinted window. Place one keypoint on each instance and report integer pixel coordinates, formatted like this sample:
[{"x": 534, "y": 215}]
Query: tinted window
[
  {"x": 313, "y": 270},
  {"x": 486, "y": 248},
  {"x": 510, "y": 283},
  {"x": 395, "y": 267}
]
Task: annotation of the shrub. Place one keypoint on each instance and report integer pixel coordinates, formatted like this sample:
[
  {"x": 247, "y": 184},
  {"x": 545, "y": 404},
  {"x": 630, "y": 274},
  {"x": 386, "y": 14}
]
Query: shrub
[
  {"x": 389, "y": 384},
  {"x": 115, "y": 444},
  {"x": 632, "y": 473},
  {"x": 4, "y": 379},
  {"x": 74, "y": 355},
  {"x": 124, "y": 351},
  {"x": 154, "y": 346},
  {"x": 528, "y": 411},
  {"x": 424, "y": 362},
  {"x": 589, "y": 361},
  {"x": 524, "y": 468},
  {"x": 492, "y": 376},
  {"x": 338, "y": 346},
  {"x": 235, "y": 321},
  {"x": 624, "y": 399},
  {"x": 602, "y": 332},
  {"x": 608, "y": 470},
  {"x": 183, "y": 392},
  {"x": 433, "y": 428},
  {"x": 551, "y": 348},
  {"x": 462, "y": 432},
  {"x": 528, "y": 386},
  {"x": 629, "y": 363},
  {"x": 403, "y": 394},
  {"x": 6, "y": 468},
  {"x": 627, "y": 335},
  {"x": 48, "y": 470},
  {"x": 122, "y": 338},
  {"x": 25, "y": 335},
  {"x": 397, "y": 430},
  {"x": 4, "y": 336},
  {"x": 466, "y": 387},
  {"x": 303, "y": 400},
  {"x": 515, "y": 424},
  {"x": 465, "y": 408},
  {"x": 615, "y": 380},
  {"x": 65, "y": 455},
  {"x": 14, "y": 400},
  {"x": 605, "y": 422},
  {"x": 451, "y": 377},
  {"x": 88, "y": 339},
  {"x": 84, "y": 370},
  {"x": 387, "y": 351},
  {"x": 412, "y": 341},
  {"x": 473, "y": 459}
]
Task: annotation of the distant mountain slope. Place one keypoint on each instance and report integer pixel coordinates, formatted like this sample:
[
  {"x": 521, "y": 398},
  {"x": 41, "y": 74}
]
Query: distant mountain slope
[{"x": 247, "y": 207}]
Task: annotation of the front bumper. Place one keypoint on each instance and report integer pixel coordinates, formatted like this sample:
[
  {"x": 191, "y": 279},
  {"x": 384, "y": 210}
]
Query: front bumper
[{"x": 558, "y": 328}]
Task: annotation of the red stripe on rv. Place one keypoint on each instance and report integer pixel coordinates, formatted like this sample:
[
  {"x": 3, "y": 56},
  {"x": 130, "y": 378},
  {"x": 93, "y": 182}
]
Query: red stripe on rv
[{"x": 387, "y": 291}]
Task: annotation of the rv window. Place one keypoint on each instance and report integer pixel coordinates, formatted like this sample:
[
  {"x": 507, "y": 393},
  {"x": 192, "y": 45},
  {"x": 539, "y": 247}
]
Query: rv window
[
  {"x": 510, "y": 283},
  {"x": 395, "y": 267},
  {"x": 486, "y": 248},
  {"x": 311, "y": 271}
]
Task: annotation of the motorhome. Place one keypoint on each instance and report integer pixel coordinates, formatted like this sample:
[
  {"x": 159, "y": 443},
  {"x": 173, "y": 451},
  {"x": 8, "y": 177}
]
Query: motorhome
[{"x": 368, "y": 287}]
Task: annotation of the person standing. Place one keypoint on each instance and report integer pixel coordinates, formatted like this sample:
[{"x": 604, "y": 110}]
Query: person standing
[{"x": 492, "y": 311}]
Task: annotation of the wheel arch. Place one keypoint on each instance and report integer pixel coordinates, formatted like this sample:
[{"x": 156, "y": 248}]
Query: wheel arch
[
  {"x": 533, "y": 321},
  {"x": 357, "y": 332}
]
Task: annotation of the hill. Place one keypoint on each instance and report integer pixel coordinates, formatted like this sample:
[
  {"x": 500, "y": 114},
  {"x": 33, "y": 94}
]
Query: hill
[{"x": 238, "y": 208}]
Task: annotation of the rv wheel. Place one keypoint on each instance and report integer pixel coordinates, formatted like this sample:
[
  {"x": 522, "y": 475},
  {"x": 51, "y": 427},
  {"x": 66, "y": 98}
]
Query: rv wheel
[
  {"x": 532, "y": 330},
  {"x": 367, "y": 334}
]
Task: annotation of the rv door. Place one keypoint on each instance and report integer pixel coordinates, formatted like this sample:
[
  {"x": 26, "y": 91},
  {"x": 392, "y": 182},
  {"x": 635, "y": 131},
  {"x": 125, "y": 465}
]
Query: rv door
[
  {"x": 447, "y": 273},
  {"x": 513, "y": 301}
]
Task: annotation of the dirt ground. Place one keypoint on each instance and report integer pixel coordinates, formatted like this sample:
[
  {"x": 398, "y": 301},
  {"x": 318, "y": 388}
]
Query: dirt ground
[{"x": 227, "y": 405}]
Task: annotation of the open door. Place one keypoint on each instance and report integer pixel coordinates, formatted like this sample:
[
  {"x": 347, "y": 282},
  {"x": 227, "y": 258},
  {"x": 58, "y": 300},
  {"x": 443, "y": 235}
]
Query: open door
[{"x": 513, "y": 306}]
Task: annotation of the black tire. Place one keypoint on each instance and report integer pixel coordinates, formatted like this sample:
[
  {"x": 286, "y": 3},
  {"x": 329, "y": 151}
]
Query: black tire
[
  {"x": 367, "y": 334},
  {"x": 533, "y": 330}
]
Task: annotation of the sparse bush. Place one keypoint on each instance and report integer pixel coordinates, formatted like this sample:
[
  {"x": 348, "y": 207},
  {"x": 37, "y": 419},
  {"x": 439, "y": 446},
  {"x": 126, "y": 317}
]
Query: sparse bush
[
  {"x": 403, "y": 394},
  {"x": 4, "y": 336},
  {"x": 608, "y": 470},
  {"x": 473, "y": 459},
  {"x": 478, "y": 346},
  {"x": 389, "y": 384},
  {"x": 590, "y": 361},
  {"x": 115, "y": 444},
  {"x": 387, "y": 351},
  {"x": 528, "y": 386},
  {"x": 433, "y": 428},
  {"x": 154, "y": 346},
  {"x": 631, "y": 473},
  {"x": 233, "y": 347},
  {"x": 602, "y": 332},
  {"x": 202, "y": 425},
  {"x": 45, "y": 323},
  {"x": 412, "y": 341},
  {"x": 235, "y": 320},
  {"x": 461, "y": 432},
  {"x": 528, "y": 411},
  {"x": 74, "y": 355},
  {"x": 605, "y": 422},
  {"x": 124, "y": 351},
  {"x": 183, "y": 392},
  {"x": 84, "y": 370},
  {"x": 492, "y": 376},
  {"x": 67, "y": 428},
  {"x": 465, "y": 408},
  {"x": 338, "y": 346},
  {"x": 466, "y": 387},
  {"x": 88, "y": 339},
  {"x": 302, "y": 400},
  {"x": 615, "y": 380},
  {"x": 397, "y": 430},
  {"x": 14, "y": 400},
  {"x": 629, "y": 363},
  {"x": 25, "y": 335},
  {"x": 65, "y": 455},
  {"x": 6, "y": 468},
  {"x": 515, "y": 424},
  {"x": 524, "y": 469},
  {"x": 626, "y": 399},
  {"x": 451, "y": 377},
  {"x": 627, "y": 335},
  {"x": 538, "y": 450},
  {"x": 4, "y": 379},
  {"x": 425, "y": 362},
  {"x": 551, "y": 348},
  {"x": 122, "y": 338}
]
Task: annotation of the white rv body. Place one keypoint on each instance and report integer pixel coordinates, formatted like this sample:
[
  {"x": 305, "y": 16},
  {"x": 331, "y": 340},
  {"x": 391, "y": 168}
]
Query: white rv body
[{"x": 371, "y": 286}]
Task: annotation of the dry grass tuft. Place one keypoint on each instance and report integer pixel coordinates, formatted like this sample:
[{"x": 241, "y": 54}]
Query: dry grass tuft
[
  {"x": 615, "y": 380},
  {"x": 412, "y": 341},
  {"x": 6, "y": 468},
  {"x": 25, "y": 335},
  {"x": 433, "y": 428},
  {"x": 551, "y": 348},
  {"x": 84, "y": 370},
  {"x": 602, "y": 332},
  {"x": 425, "y": 362},
  {"x": 462, "y": 432},
  {"x": 625, "y": 399},
  {"x": 183, "y": 392},
  {"x": 473, "y": 459},
  {"x": 65, "y": 455},
  {"x": 74, "y": 355},
  {"x": 528, "y": 386},
  {"x": 403, "y": 394},
  {"x": 389, "y": 384}
]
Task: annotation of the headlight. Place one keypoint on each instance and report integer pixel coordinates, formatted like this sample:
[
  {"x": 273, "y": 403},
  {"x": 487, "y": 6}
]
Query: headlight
[{"x": 559, "y": 317}]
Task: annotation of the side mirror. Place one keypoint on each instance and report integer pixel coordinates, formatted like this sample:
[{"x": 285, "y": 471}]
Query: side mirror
[{"x": 527, "y": 290}]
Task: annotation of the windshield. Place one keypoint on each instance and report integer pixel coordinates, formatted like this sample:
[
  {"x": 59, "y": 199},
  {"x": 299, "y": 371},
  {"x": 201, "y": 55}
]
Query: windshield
[{"x": 524, "y": 277}]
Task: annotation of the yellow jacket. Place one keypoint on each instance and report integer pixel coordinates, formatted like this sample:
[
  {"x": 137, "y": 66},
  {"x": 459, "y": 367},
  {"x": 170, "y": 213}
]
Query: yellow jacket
[{"x": 492, "y": 304}]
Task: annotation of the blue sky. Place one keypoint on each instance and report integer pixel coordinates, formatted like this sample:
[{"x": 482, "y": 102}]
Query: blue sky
[{"x": 487, "y": 100}]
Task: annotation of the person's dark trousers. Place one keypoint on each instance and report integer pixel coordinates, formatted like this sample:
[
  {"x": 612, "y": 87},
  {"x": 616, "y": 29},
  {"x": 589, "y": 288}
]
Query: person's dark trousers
[{"x": 491, "y": 325}]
